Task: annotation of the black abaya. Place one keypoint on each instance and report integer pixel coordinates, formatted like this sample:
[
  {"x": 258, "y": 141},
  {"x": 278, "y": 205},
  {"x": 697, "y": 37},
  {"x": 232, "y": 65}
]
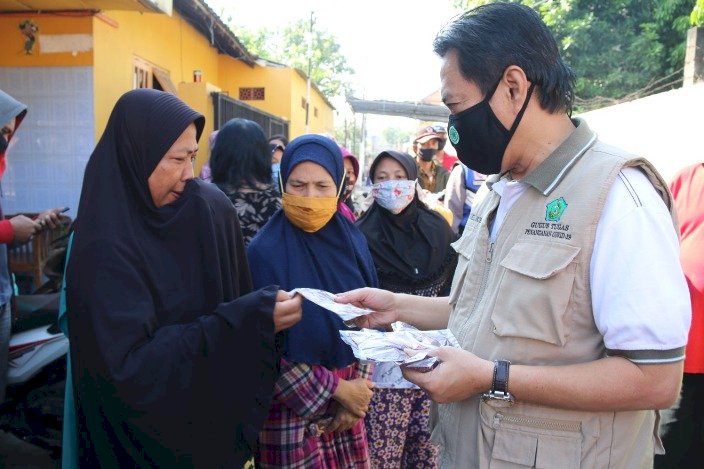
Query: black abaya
[{"x": 173, "y": 356}]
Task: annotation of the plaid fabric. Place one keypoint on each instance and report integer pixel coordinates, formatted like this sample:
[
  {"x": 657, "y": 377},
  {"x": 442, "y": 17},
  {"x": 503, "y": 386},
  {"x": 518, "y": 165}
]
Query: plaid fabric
[{"x": 290, "y": 437}]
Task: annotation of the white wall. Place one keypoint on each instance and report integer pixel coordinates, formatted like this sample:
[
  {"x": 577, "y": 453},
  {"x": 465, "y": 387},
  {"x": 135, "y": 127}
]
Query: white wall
[
  {"x": 666, "y": 128},
  {"x": 49, "y": 152}
]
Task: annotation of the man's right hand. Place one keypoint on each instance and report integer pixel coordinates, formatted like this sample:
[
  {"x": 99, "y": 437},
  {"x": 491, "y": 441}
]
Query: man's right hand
[
  {"x": 381, "y": 301},
  {"x": 287, "y": 310},
  {"x": 24, "y": 228}
]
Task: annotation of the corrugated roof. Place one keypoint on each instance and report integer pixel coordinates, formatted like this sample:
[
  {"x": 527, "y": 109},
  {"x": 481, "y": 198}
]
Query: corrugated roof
[{"x": 414, "y": 110}]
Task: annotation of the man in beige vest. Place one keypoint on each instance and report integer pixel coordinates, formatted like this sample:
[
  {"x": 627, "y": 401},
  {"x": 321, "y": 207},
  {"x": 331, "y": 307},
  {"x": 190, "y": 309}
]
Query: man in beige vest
[{"x": 568, "y": 299}]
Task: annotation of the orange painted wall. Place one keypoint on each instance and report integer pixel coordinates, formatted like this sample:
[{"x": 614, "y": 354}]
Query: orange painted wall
[{"x": 12, "y": 52}]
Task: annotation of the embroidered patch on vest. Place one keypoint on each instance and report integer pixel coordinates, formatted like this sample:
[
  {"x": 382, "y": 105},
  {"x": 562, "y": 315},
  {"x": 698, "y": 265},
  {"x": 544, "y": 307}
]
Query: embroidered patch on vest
[{"x": 555, "y": 209}]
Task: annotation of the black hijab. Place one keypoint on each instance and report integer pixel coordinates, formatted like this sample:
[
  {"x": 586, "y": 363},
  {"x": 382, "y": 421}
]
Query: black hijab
[
  {"x": 411, "y": 250},
  {"x": 173, "y": 358}
]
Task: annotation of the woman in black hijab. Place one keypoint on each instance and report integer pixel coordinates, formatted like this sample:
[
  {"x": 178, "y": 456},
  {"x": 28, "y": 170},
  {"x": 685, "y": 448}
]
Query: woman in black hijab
[
  {"x": 173, "y": 356},
  {"x": 410, "y": 245},
  {"x": 409, "y": 242}
]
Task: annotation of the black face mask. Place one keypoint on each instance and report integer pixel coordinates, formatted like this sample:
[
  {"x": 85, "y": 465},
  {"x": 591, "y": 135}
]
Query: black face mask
[
  {"x": 427, "y": 154},
  {"x": 479, "y": 136},
  {"x": 3, "y": 144}
]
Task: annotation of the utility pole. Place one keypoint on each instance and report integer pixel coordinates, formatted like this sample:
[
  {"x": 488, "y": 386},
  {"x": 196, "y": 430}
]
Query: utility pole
[
  {"x": 310, "y": 54},
  {"x": 361, "y": 156},
  {"x": 363, "y": 144}
]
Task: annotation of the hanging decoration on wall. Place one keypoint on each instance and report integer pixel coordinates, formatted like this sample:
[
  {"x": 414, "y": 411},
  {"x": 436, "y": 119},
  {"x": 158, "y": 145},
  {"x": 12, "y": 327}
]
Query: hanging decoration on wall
[{"x": 29, "y": 30}]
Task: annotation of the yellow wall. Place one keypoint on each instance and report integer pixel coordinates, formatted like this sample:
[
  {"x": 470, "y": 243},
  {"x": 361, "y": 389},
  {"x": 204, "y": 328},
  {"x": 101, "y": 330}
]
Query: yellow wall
[
  {"x": 169, "y": 43},
  {"x": 235, "y": 75},
  {"x": 197, "y": 95},
  {"x": 283, "y": 90},
  {"x": 322, "y": 124},
  {"x": 12, "y": 53}
]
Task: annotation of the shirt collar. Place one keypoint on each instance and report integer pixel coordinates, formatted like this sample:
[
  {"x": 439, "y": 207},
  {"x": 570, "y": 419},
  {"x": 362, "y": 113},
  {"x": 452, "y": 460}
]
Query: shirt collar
[{"x": 556, "y": 166}]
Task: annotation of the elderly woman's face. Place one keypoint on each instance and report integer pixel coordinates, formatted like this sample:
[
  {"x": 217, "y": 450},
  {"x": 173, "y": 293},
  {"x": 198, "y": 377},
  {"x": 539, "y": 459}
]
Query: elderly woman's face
[
  {"x": 389, "y": 169},
  {"x": 349, "y": 171},
  {"x": 167, "y": 181},
  {"x": 308, "y": 179}
]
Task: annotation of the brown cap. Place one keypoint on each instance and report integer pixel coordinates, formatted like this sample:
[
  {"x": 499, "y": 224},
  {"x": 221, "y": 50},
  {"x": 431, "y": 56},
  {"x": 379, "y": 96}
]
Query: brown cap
[{"x": 430, "y": 132}]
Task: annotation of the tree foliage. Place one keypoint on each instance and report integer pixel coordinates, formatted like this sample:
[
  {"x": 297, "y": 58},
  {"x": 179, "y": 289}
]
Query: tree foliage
[
  {"x": 697, "y": 16},
  {"x": 290, "y": 46},
  {"x": 618, "y": 48},
  {"x": 395, "y": 137}
]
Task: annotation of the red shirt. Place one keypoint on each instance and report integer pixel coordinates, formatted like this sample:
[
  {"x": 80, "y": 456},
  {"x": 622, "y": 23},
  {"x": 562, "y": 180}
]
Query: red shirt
[
  {"x": 7, "y": 234},
  {"x": 449, "y": 161},
  {"x": 688, "y": 188}
]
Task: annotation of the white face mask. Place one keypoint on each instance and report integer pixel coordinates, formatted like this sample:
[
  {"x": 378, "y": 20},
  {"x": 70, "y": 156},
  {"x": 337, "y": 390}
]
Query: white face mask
[{"x": 395, "y": 194}]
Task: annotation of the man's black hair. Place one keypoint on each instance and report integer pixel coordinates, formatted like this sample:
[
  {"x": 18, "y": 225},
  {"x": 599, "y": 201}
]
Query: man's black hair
[{"x": 490, "y": 38}]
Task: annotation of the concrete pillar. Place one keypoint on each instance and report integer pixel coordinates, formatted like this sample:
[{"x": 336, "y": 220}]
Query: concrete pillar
[{"x": 694, "y": 56}]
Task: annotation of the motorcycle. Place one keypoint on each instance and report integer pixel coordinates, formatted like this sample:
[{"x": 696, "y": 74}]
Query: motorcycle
[{"x": 36, "y": 339}]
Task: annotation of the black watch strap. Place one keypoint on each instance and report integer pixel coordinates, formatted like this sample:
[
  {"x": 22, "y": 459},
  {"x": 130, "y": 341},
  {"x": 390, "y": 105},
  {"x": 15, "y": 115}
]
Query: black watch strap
[
  {"x": 499, "y": 394},
  {"x": 500, "y": 383}
]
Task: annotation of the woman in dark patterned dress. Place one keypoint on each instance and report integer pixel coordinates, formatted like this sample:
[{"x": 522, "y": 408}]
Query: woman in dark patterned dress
[
  {"x": 410, "y": 245},
  {"x": 241, "y": 167}
]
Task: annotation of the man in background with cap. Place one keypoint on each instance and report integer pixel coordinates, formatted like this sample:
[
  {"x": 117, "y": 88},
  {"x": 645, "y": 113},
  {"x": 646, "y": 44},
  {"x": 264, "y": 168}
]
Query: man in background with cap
[
  {"x": 431, "y": 175},
  {"x": 447, "y": 160}
]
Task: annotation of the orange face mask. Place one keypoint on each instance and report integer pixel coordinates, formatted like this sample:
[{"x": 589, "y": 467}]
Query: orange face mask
[{"x": 308, "y": 213}]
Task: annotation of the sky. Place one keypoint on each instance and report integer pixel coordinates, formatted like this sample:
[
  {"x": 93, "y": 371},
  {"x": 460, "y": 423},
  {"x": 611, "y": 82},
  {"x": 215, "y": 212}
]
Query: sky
[{"x": 388, "y": 43}]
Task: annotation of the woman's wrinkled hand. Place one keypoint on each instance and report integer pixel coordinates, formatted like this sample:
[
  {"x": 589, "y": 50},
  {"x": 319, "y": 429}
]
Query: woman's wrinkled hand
[
  {"x": 287, "y": 310},
  {"x": 342, "y": 420},
  {"x": 354, "y": 395}
]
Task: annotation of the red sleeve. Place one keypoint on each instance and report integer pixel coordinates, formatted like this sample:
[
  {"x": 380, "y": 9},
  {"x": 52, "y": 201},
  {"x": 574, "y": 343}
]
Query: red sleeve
[{"x": 7, "y": 234}]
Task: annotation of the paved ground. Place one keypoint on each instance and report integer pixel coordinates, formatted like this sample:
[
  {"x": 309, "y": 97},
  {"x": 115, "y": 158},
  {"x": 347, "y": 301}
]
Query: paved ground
[{"x": 16, "y": 453}]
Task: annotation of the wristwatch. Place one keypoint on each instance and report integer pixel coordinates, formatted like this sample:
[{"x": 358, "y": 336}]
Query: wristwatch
[{"x": 499, "y": 394}]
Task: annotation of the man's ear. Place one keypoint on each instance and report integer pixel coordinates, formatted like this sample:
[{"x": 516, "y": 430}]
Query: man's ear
[{"x": 518, "y": 85}]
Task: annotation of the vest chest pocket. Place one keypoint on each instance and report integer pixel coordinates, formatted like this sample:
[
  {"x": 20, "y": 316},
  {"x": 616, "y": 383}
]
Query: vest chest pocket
[
  {"x": 534, "y": 292},
  {"x": 465, "y": 247}
]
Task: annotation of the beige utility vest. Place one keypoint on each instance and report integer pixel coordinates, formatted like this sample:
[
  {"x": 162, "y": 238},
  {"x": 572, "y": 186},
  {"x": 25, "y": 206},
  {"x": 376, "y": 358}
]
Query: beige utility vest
[{"x": 526, "y": 298}]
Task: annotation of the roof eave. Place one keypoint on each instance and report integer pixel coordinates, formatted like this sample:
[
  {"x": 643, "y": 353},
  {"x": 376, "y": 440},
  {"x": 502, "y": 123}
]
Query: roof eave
[{"x": 208, "y": 23}]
